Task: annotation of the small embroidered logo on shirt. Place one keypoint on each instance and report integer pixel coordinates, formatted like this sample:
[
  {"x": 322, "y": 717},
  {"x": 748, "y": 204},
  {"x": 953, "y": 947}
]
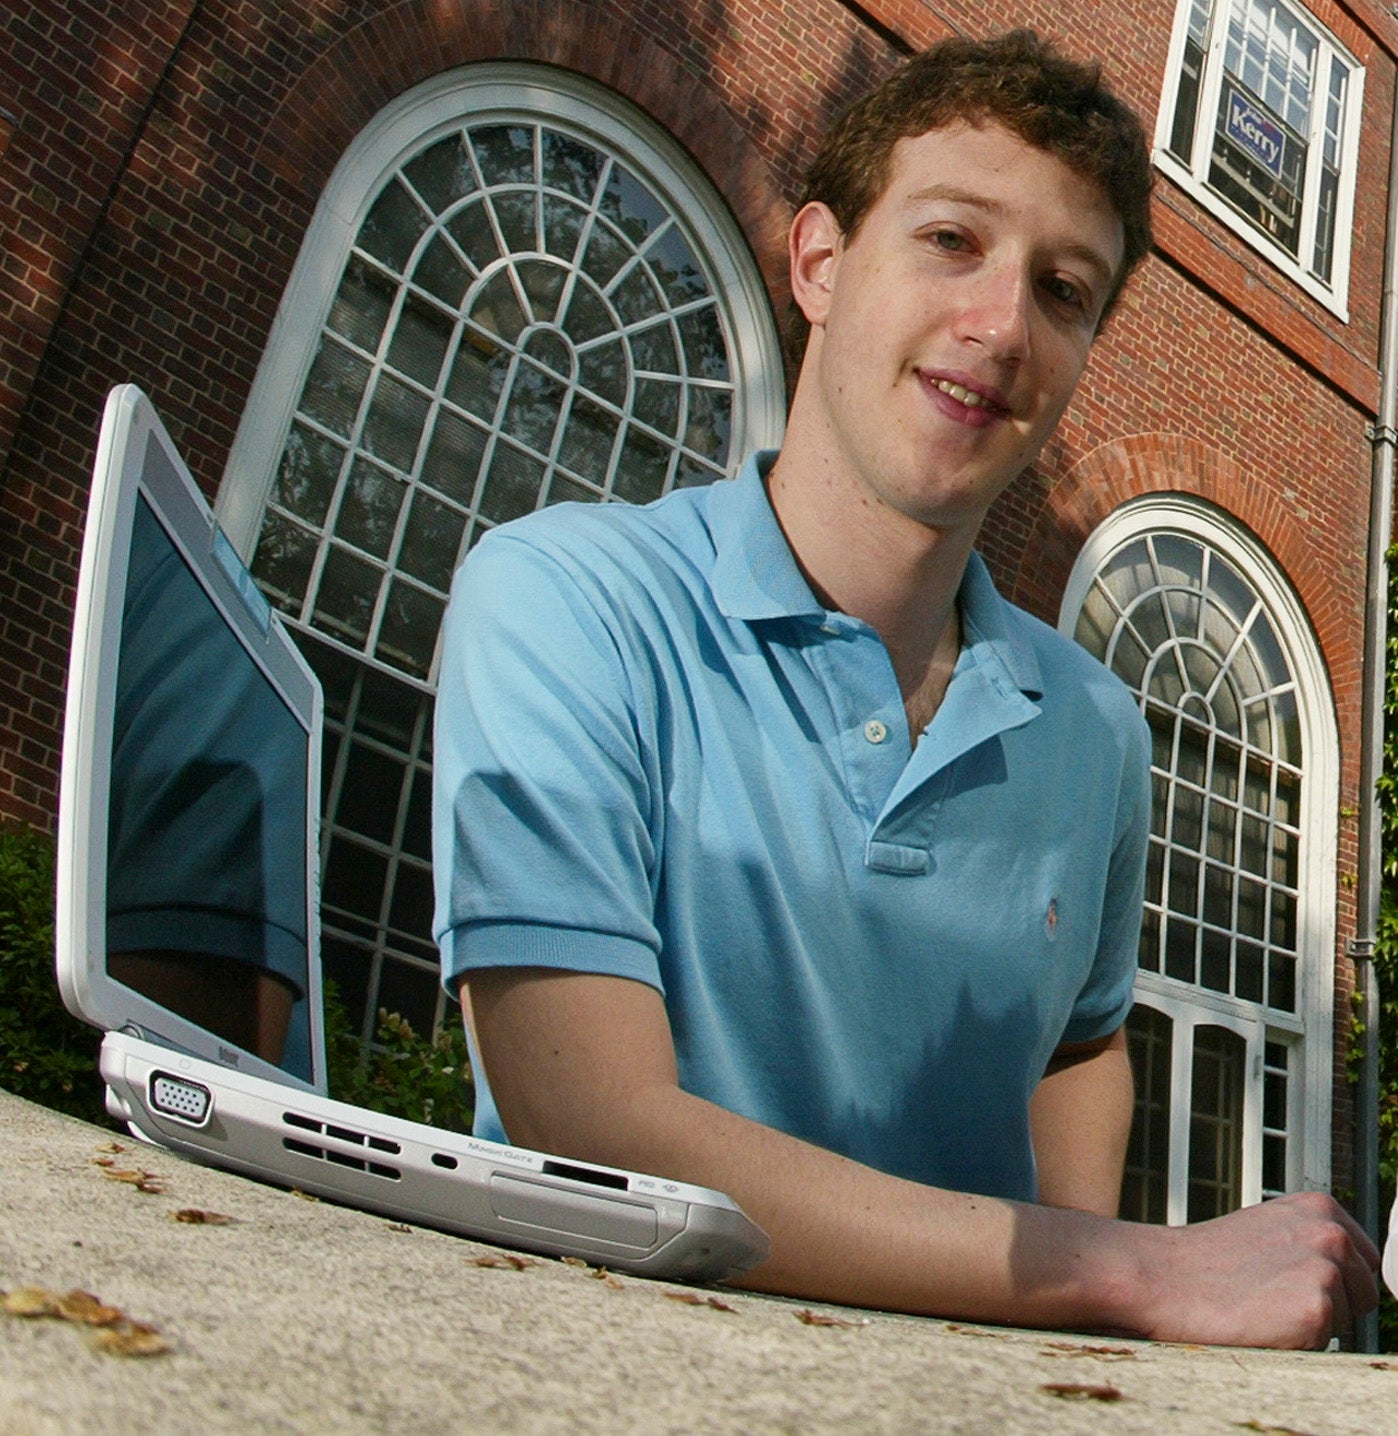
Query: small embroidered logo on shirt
[{"x": 1051, "y": 919}]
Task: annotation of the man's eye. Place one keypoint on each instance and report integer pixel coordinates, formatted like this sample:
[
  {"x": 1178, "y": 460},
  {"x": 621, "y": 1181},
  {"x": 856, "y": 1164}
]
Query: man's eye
[{"x": 1066, "y": 292}]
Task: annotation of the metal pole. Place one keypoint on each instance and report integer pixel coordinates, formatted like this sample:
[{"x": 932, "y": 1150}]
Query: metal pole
[{"x": 1369, "y": 887}]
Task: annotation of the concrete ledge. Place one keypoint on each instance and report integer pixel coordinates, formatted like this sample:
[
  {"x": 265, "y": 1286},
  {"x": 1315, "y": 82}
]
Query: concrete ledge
[{"x": 299, "y": 1316}]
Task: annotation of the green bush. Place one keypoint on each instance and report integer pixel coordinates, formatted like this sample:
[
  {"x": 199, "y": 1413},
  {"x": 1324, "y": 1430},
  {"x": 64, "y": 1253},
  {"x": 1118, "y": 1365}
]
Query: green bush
[
  {"x": 402, "y": 1074},
  {"x": 46, "y": 1054}
]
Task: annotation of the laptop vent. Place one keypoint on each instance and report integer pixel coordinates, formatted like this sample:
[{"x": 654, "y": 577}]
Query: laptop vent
[{"x": 334, "y": 1155}]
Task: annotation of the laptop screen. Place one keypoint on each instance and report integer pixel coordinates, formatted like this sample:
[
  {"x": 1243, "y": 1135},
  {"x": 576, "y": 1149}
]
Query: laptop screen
[{"x": 190, "y": 767}]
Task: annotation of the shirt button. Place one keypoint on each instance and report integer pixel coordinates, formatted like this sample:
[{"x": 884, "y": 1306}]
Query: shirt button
[{"x": 875, "y": 731}]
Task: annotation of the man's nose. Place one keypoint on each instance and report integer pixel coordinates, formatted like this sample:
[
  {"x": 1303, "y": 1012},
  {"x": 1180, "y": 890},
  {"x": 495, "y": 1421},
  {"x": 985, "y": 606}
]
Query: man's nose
[{"x": 995, "y": 313}]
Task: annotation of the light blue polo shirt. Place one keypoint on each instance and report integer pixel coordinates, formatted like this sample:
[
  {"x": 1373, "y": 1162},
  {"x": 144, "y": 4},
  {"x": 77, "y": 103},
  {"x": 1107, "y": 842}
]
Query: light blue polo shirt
[{"x": 659, "y": 757}]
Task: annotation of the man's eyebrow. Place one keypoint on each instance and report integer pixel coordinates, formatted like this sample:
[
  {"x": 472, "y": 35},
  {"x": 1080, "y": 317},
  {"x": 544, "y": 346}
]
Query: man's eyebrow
[{"x": 956, "y": 195}]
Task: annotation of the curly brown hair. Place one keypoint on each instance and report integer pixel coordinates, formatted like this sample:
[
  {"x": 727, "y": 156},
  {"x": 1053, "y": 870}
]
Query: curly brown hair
[{"x": 1015, "y": 80}]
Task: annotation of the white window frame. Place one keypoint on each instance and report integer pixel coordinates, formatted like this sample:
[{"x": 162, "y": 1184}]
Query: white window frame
[
  {"x": 1310, "y": 1088},
  {"x": 1193, "y": 175}
]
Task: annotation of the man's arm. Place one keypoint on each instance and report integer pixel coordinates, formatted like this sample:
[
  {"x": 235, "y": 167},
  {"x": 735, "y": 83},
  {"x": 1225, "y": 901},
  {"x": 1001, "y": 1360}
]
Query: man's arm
[
  {"x": 584, "y": 1066},
  {"x": 1081, "y": 1121}
]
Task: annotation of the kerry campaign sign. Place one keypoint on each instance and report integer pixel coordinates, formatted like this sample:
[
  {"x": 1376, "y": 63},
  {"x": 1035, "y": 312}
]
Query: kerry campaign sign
[{"x": 1255, "y": 133}]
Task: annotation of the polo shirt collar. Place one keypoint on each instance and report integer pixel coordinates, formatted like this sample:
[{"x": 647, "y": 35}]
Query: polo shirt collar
[
  {"x": 755, "y": 576},
  {"x": 993, "y": 633}
]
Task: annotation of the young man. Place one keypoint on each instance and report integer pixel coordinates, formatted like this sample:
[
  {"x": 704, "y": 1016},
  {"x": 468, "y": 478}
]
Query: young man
[{"x": 779, "y": 854}]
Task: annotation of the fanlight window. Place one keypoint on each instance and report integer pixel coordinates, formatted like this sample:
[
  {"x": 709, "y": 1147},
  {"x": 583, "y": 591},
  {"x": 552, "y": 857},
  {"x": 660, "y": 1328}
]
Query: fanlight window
[
  {"x": 520, "y": 322},
  {"x": 1219, "y": 1038},
  {"x": 1178, "y": 623}
]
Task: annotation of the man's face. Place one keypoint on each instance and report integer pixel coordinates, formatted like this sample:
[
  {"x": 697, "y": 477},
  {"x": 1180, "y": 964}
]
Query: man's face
[{"x": 950, "y": 331}]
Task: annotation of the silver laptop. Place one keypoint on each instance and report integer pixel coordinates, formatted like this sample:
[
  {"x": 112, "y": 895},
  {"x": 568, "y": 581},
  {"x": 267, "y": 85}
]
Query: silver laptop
[{"x": 187, "y": 922}]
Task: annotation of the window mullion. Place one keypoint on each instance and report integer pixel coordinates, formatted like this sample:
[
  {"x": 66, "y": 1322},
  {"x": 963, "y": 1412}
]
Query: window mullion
[
  {"x": 1252, "y": 1034},
  {"x": 1181, "y": 1115},
  {"x": 1210, "y": 89},
  {"x": 1315, "y": 157}
]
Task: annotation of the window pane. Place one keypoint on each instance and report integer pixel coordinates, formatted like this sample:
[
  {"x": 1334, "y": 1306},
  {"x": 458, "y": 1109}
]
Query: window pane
[
  {"x": 308, "y": 474},
  {"x": 705, "y": 349},
  {"x": 345, "y": 599},
  {"x": 497, "y": 308},
  {"x": 393, "y": 425},
  {"x": 505, "y": 153},
  {"x": 708, "y": 430},
  {"x": 408, "y": 635},
  {"x": 643, "y": 468},
  {"x": 513, "y": 485},
  {"x": 1249, "y": 972},
  {"x": 453, "y": 458},
  {"x": 1145, "y": 1184},
  {"x": 1186, "y": 105},
  {"x": 431, "y": 541},
  {"x": 368, "y": 514},
  {"x": 534, "y": 407},
  {"x": 442, "y": 174},
  {"x": 473, "y": 230},
  {"x": 571, "y": 166},
  {"x": 588, "y": 440},
  {"x": 282, "y": 565},
  {"x": 1281, "y": 982},
  {"x": 479, "y": 375},
  {"x": 394, "y": 226},
  {"x": 420, "y": 341},
  {"x": 362, "y": 304},
  {"x": 354, "y": 875},
  {"x": 1216, "y": 1123},
  {"x": 373, "y": 788},
  {"x": 443, "y": 273},
  {"x": 334, "y": 388},
  {"x": 1215, "y": 961},
  {"x": 517, "y": 214},
  {"x": 1187, "y": 827}
]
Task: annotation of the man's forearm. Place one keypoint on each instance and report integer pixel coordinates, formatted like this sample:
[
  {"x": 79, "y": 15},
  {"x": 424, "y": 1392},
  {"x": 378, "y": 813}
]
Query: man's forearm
[
  {"x": 584, "y": 1066},
  {"x": 844, "y": 1232}
]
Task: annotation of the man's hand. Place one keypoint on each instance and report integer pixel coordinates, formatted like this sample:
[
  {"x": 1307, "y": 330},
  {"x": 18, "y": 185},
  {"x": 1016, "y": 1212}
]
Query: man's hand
[
  {"x": 584, "y": 1066},
  {"x": 1292, "y": 1272}
]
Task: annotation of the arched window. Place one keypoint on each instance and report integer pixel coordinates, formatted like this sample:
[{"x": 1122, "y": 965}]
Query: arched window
[
  {"x": 516, "y": 291},
  {"x": 1231, "y": 1037}
]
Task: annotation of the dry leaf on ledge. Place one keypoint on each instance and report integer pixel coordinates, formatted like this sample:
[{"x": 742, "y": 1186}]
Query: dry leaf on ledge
[
  {"x": 114, "y": 1332},
  {"x": 807, "y": 1317},
  {"x": 1080, "y": 1391}
]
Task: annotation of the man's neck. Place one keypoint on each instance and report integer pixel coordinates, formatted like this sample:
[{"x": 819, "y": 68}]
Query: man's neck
[{"x": 899, "y": 576}]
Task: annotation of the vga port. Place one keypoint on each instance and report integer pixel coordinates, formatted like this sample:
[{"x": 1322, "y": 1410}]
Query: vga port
[{"x": 180, "y": 1099}]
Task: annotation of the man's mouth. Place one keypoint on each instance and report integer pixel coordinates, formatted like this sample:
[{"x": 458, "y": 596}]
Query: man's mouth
[{"x": 971, "y": 398}]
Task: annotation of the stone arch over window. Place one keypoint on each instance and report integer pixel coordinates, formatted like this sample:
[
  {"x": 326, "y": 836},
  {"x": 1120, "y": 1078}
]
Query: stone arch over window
[
  {"x": 516, "y": 290},
  {"x": 1232, "y": 1036}
]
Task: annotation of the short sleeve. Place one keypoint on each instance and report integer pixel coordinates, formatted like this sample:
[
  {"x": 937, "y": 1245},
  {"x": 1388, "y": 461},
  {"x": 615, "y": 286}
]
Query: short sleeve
[
  {"x": 544, "y": 853},
  {"x": 1106, "y": 998}
]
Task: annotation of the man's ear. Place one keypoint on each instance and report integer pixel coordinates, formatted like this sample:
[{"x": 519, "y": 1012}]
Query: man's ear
[{"x": 814, "y": 245}]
